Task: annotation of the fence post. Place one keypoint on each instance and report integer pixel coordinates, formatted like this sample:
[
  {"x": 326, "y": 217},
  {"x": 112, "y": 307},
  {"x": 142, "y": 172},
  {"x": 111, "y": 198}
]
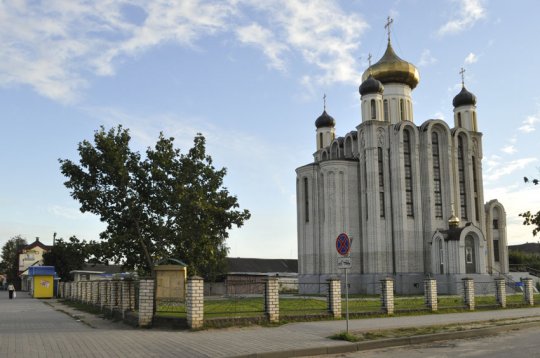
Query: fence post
[
  {"x": 387, "y": 295},
  {"x": 125, "y": 297},
  {"x": 468, "y": 293},
  {"x": 102, "y": 293},
  {"x": 528, "y": 292},
  {"x": 271, "y": 299},
  {"x": 112, "y": 295},
  {"x": 195, "y": 302},
  {"x": 500, "y": 291},
  {"x": 146, "y": 302},
  {"x": 430, "y": 293},
  {"x": 88, "y": 290},
  {"x": 333, "y": 297}
]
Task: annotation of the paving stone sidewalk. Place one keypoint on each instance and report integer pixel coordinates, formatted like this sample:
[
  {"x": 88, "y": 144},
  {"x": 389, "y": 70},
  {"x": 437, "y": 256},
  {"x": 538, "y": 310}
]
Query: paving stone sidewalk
[{"x": 41, "y": 328}]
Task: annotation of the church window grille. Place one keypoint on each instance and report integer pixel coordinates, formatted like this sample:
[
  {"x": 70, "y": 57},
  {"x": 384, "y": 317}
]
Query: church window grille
[
  {"x": 306, "y": 199},
  {"x": 381, "y": 181},
  {"x": 320, "y": 140},
  {"x": 496, "y": 255},
  {"x": 386, "y": 111},
  {"x": 408, "y": 173},
  {"x": 373, "y": 109},
  {"x": 441, "y": 256},
  {"x": 437, "y": 193},
  {"x": 475, "y": 187},
  {"x": 459, "y": 120},
  {"x": 402, "y": 109},
  {"x": 495, "y": 224},
  {"x": 461, "y": 170}
]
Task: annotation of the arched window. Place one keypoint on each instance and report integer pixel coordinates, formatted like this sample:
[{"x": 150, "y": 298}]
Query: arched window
[
  {"x": 462, "y": 187},
  {"x": 407, "y": 163},
  {"x": 402, "y": 109},
  {"x": 320, "y": 141},
  {"x": 437, "y": 193},
  {"x": 386, "y": 111},
  {"x": 475, "y": 188},
  {"x": 373, "y": 109},
  {"x": 459, "y": 120},
  {"x": 381, "y": 181},
  {"x": 306, "y": 199}
]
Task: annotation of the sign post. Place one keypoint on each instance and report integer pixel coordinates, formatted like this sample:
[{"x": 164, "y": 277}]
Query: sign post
[{"x": 343, "y": 247}]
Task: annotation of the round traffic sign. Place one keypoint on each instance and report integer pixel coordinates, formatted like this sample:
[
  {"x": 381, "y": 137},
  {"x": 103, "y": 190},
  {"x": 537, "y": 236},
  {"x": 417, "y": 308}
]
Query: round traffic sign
[{"x": 343, "y": 244}]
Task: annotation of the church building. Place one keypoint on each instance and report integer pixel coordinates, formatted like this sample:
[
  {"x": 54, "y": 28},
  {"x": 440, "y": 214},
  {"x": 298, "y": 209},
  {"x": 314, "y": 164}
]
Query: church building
[{"x": 409, "y": 195}]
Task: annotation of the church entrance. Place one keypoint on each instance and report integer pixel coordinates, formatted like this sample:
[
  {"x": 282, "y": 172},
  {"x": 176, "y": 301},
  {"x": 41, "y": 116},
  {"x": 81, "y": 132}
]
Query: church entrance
[{"x": 470, "y": 255}]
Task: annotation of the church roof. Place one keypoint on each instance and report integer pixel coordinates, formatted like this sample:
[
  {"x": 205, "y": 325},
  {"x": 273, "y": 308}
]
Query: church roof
[
  {"x": 391, "y": 68},
  {"x": 464, "y": 98},
  {"x": 371, "y": 85},
  {"x": 325, "y": 120}
]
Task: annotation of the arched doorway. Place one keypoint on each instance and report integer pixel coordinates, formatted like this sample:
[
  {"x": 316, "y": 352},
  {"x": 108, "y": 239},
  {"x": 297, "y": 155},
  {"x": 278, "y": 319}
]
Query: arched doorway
[{"x": 470, "y": 255}]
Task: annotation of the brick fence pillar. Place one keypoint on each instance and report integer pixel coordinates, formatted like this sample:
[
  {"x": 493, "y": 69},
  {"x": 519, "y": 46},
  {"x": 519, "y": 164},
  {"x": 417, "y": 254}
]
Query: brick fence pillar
[
  {"x": 271, "y": 299},
  {"x": 195, "y": 302},
  {"x": 333, "y": 298},
  {"x": 468, "y": 293},
  {"x": 61, "y": 289},
  {"x": 113, "y": 294},
  {"x": 528, "y": 291},
  {"x": 387, "y": 295},
  {"x": 95, "y": 293},
  {"x": 430, "y": 294},
  {"x": 68, "y": 290},
  {"x": 102, "y": 293},
  {"x": 88, "y": 287},
  {"x": 146, "y": 302},
  {"x": 125, "y": 296},
  {"x": 500, "y": 291},
  {"x": 132, "y": 295},
  {"x": 79, "y": 291}
]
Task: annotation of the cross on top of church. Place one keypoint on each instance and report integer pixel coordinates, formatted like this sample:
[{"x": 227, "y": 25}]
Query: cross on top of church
[
  {"x": 389, "y": 22},
  {"x": 369, "y": 59},
  {"x": 324, "y": 101},
  {"x": 462, "y": 73}
]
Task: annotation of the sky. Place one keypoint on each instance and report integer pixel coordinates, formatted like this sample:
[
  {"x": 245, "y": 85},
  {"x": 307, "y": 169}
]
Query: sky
[{"x": 250, "y": 76}]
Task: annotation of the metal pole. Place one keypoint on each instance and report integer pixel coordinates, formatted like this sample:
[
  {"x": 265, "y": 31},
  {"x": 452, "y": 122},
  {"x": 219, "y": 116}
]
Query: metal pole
[{"x": 347, "y": 299}]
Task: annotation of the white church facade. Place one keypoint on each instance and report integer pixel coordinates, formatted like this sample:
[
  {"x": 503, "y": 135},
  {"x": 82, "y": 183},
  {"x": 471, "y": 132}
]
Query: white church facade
[{"x": 410, "y": 196}]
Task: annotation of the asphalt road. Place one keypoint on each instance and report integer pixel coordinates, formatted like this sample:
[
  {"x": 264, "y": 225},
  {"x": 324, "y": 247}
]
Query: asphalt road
[{"x": 515, "y": 344}]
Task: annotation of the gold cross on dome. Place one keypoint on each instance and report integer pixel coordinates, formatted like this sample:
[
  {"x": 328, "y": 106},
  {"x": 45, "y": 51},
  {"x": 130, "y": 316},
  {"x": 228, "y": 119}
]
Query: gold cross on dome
[
  {"x": 389, "y": 22},
  {"x": 324, "y": 99},
  {"x": 462, "y": 73},
  {"x": 369, "y": 59}
]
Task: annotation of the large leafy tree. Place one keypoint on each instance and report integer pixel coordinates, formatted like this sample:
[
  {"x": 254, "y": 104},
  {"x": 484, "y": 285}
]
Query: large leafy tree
[
  {"x": 531, "y": 218},
  {"x": 67, "y": 256},
  {"x": 167, "y": 204},
  {"x": 10, "y": 257}
]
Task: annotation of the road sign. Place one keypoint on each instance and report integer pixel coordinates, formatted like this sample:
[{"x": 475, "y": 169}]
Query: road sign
[
  {"x": 343, "y": 244},
  {"x": 344, "y": 262}
]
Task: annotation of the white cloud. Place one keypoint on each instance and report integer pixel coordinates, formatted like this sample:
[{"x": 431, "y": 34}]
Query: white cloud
[
  {"x": 528, "y": 125},
  {"x": 426, "y": 59},
  {"x": 509, "y": 149},
  {"x": 255, "y": 34},
  {"x": 471, "y": 58},
  {"x": 53, "y": 46},
  {"x": 470, "y": 11},
  {"x": 495, "y": 168},
  {"x": 66, "y": 212}
]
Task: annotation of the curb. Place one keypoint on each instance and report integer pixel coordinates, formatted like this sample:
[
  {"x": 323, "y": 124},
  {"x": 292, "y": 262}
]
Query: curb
[{"x": 391, "y": 342}]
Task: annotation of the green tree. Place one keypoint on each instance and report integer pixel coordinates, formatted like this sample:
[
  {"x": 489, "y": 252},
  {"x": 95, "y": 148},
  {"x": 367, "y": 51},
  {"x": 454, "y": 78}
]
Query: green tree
[
  {"x": 529, "y": 217},
  {"x": 66, "y": 256},
  {"x": 10, "y": 258},
  {"x": 168, "y": 204}
]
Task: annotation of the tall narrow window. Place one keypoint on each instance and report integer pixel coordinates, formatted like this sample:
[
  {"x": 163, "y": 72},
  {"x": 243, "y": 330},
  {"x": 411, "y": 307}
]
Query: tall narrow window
[
  {"x": 373, "y": 109},
  {"x": 386, "y": 111},
  {"x": 496, "y": 255},
  {"x": 437, "y": 194},
  {"x": 461, "y": 170},
  {"x": 459, "y": 119},
  {"x": 306, "y": 199},
  {"x": 402, "y": 109},
  {"x": 320, "y": 140},
  {"x": 475, "y": 187},
  {"x": 365, "y": 185},
  {"x": 407, "y": 162},
  {"x": 381, "y": 181},
  {"x": 495, "y": 223}
]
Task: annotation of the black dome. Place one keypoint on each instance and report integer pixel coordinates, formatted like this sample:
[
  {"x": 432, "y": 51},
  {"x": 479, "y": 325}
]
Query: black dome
[
  {"x": 371, "y": 85},
  {"x": 325, "y": 120},
  {"x": 464, "y": 98}
]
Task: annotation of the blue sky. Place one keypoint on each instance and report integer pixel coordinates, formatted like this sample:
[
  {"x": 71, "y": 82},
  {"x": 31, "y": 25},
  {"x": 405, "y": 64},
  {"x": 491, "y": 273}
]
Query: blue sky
[{"x": 250, "y": 75}]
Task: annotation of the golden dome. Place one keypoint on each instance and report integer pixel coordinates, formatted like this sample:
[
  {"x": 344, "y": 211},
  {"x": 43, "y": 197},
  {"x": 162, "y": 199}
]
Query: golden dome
[
  {"x": 453, "y": 221},
  {"x": 391, "y": 68}
]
